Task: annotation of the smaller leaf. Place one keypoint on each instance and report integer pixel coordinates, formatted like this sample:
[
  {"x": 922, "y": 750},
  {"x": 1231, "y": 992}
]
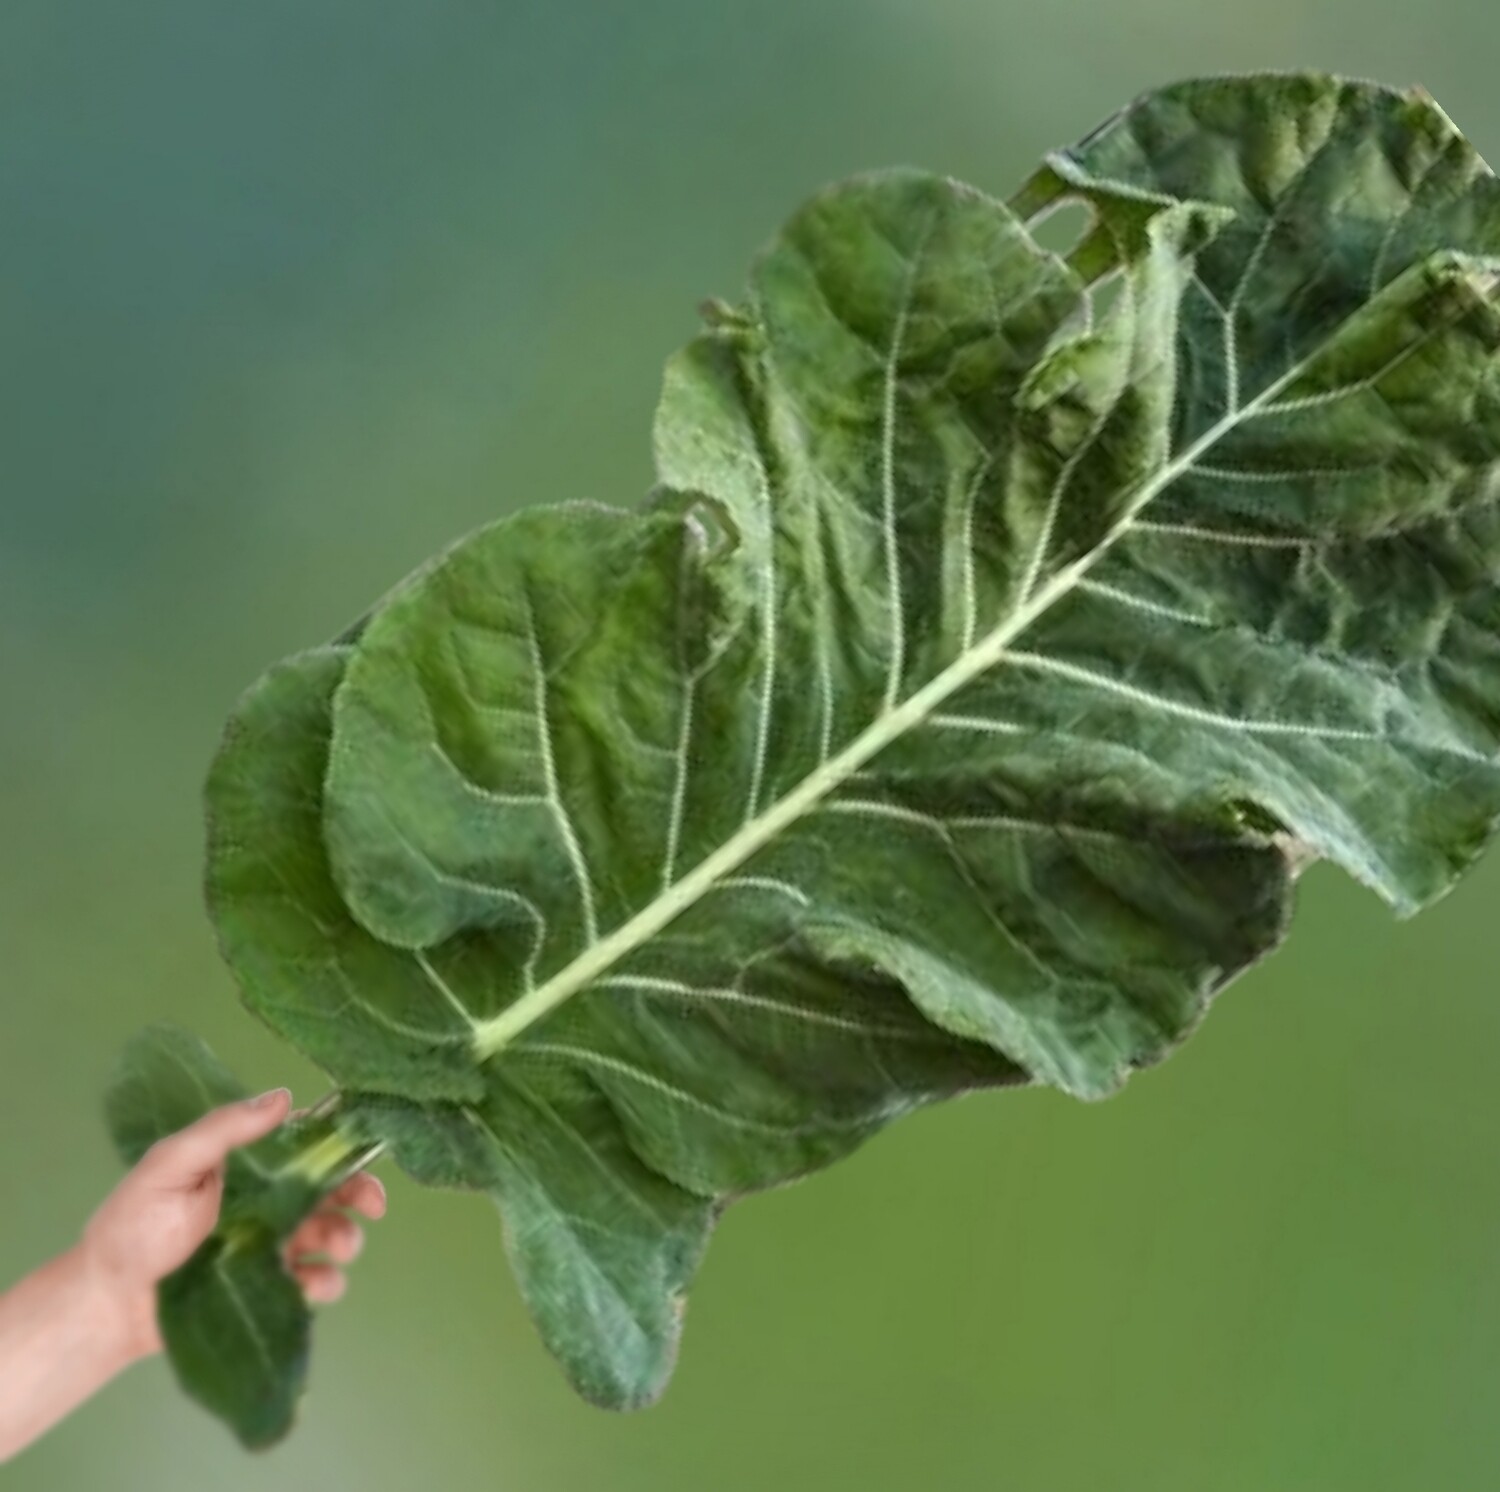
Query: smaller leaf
[
  {"x": 238, "y": 1332},
  {"x": 235, "y": 1326}
]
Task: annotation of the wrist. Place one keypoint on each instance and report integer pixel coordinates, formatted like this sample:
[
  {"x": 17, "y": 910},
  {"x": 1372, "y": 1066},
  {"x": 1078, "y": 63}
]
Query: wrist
[{"x": 123, "y": 1311}]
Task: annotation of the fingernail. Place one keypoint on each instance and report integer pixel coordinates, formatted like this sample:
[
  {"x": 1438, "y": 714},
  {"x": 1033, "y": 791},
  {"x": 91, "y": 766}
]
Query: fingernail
[{"x": 267, "y": 1099}]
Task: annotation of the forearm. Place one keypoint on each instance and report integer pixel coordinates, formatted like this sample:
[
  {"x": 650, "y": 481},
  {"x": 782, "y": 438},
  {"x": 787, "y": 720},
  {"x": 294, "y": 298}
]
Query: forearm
[{"x": 64, "y": 1333}]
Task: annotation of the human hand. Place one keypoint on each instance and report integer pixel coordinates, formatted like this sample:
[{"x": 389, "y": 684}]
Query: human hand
[{"x": 168, "y": 1204}]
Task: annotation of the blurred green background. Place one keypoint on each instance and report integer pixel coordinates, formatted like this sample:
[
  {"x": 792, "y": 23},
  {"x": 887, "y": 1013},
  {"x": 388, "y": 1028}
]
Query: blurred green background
[{"x": 292, "y": 293}]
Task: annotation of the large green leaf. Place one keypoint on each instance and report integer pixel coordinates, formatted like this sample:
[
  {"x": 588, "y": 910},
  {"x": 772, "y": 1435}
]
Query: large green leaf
[{"x": 955, "y": 713}]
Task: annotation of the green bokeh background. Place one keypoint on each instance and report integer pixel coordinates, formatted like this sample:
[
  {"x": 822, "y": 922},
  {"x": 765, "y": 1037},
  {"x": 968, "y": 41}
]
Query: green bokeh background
[{"x": 294, "y": 292}]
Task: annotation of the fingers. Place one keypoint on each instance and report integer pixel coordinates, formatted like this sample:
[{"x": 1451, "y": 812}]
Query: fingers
[
  {"x": 331, "y": 1234},
  {"x": 362, "y": 1193},
  {"x": 203, "y": 1145},
  {"x": 330, "y": 1238},
  {"x": 322, "y": 1284}
]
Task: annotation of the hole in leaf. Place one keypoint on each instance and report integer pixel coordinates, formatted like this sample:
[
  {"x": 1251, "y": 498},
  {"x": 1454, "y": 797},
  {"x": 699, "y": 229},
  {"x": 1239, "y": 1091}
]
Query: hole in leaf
[
  {"x": 1062, "y": 228},
  {"x": 714, "y": 528},
  {"x": 1105, "y": 294}
]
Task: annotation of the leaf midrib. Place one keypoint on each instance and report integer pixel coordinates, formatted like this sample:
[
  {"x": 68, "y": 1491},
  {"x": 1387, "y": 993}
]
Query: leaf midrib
[{"x": 494, "y": 1035}]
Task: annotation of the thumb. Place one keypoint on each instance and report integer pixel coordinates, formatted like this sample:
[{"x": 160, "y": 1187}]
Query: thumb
[{"x": 204, "y": 1144}]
